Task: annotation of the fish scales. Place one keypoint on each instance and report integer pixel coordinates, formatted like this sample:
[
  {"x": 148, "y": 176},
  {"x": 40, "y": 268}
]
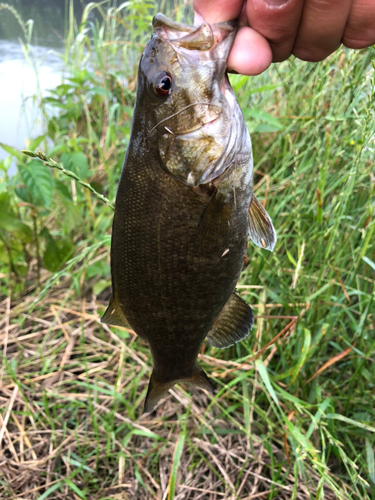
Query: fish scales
[{"x": 183, "y": 206}]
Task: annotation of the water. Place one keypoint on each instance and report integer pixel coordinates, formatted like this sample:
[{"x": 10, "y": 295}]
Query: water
[{"x": 19, "y": 118}]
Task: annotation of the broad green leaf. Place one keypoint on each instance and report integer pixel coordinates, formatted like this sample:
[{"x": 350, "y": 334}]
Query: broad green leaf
[
  {"x": 101, "y": 91},
  {"x": 39, "y": 181},
  {"x": 11, "y": 222},
  {"x": 76, "y": 162},
  {"x": 57, "y": 252},
  {"x": 63, "y": 190},
  {"x": 24, "y": 194},
  {"x": 12, "y": 151},
  {"x": 35, "y": 142},
  {"x": 100, "y": 268}
]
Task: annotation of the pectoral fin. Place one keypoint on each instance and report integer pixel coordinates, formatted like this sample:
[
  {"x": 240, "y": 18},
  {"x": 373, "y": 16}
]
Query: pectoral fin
[
  {"x": 114, "y": 315},
  {"x": 233, "y": 324},
  {"x": 261, "y": 229}
]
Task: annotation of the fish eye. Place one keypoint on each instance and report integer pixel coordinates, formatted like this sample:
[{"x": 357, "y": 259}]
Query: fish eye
[{"x": 163, "y": 84}]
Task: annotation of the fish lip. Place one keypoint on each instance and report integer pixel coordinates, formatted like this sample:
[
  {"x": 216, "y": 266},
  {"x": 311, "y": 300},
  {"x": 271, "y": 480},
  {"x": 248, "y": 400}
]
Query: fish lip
[
  {"x": 160, "y": 20},
  {"x": 202, "y": 37}
]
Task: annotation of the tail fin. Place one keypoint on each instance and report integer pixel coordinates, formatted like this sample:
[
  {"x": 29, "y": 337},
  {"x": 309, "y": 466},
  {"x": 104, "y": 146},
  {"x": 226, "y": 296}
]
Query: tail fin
[
  {"x": 200, "y": 379},
  {"x": 157, "y": 390}
]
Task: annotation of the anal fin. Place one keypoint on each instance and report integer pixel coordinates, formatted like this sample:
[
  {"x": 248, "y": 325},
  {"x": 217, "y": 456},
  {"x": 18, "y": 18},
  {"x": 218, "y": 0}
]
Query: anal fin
[
  {"x": 261, "y": 230},
  {"x": 114, "y": 315},
  {"x": 233, "y": 324}
]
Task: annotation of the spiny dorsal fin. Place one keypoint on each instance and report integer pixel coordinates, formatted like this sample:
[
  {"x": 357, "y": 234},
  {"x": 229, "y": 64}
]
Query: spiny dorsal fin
[
  {"x": 261, "y": 229},
  {"x": 114, "y": 315},
  {"x": 233, "y": 324}
]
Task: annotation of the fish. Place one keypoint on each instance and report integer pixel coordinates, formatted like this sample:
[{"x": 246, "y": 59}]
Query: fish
[{"x": 185, "y": 206}]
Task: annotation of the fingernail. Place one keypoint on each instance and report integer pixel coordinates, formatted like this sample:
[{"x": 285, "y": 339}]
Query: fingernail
[{"x": 277, "y": 3}]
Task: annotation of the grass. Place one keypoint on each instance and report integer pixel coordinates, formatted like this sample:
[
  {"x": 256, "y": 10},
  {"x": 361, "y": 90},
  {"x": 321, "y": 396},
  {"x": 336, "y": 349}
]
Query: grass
[{"x": 294, "y": 414}]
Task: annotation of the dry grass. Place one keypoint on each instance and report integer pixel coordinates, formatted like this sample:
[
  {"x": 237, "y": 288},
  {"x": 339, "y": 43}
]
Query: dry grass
[{"x": 65, "y": 397}]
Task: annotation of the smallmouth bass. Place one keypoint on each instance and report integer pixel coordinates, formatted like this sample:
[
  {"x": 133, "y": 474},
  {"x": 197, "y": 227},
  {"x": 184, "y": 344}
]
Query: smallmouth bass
[{"x": 185, "y": 206}]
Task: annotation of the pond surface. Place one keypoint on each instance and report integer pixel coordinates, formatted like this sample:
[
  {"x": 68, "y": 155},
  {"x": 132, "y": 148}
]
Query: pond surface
[{"x": 18, "y": 79}]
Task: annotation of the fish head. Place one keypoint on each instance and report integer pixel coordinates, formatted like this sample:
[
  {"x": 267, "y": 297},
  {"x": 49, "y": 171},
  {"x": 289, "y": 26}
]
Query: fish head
[{"x": 183, "y": 83}]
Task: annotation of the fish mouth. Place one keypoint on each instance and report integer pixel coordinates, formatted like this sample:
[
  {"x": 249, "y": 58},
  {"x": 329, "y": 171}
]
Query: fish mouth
[{"x": 217, "y": 38}]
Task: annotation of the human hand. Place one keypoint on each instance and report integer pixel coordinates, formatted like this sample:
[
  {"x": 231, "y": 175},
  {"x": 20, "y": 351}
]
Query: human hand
[{"x": 309, "y": 29}]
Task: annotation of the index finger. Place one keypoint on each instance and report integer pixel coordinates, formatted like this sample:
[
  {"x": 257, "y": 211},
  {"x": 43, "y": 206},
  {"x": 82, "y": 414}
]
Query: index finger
[{"x": 251, "y": 53}]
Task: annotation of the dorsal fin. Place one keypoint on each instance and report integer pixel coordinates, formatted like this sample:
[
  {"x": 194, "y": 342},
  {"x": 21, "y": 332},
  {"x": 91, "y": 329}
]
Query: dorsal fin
[
  {"x": 233, "y": 324},
  {"x": 114, "y": 315},
  {"x": 261, "y": 229}
]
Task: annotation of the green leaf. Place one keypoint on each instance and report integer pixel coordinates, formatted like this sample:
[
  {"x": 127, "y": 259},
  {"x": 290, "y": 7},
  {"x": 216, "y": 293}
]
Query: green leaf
[
  {"x": 76, "y": 162},
  {"x": 101, "y": 91},
  {"x": 75, "y": 488},
  {"x": 50, "y": 490},
  {"x": 63, "y": 190},
  {"x": 35, "y": 142},
  {"x": 370, "y": 461},
  {"x": 290, "y": 257},
  {"x": 57, "y": 252},
  {"x": 100, "y": 268},
  {"x": 317, "y": 417},
  {"x": 264, "y": 375},
  {"x": 100, "y": 286},
  {"x": 265, "y": 118},
  {"x": 350, "y": 421},
  {"x": 266, "y": 128},
  {"x": 175, "y": 464},
  {"x": 369, "y": 262},
  {"x": 39, "y": 181},
  {"x": 298, "y": 436},
  {"x": 146, "y": 433},
  {"x": 24, "y": 194},
  {"x": 303, "y": 354},
  {"x": 12, "y": 151},
  {"x": 10, "y": 221}
]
